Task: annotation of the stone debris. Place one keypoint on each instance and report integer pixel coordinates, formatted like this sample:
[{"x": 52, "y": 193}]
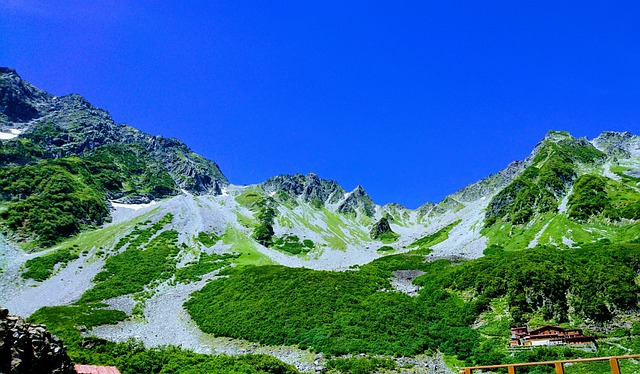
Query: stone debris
[{"x": 30, "y": 349}]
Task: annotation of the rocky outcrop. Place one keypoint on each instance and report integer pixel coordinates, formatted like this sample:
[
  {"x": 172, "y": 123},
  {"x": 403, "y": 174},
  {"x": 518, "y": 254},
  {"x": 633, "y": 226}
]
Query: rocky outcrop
[
  {"x": 308, "y": 187},
  {"x": 381, "y": 228},
  {"x": 70, "y": 125},
  {"x": 618, "y": 144},
  {"x": 357, "y": 200},
  {"x": 30, "y": 349}
]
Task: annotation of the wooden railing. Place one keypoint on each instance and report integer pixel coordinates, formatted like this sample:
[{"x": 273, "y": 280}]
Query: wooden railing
[{"x": 559, "y": 365}]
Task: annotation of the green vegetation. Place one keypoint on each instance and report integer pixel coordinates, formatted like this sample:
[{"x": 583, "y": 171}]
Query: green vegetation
[
  {"x": 589, "y": 197},
  {"x": 388, "y": 237},
  {"x": 382, "y": 231},
  {"x": 206, "y": 264},
  {"x": 208, "y": 239},
  {"x": 265, "y": 213},
  {"x": 56, "y": 198},
  {"x": 63, "y": 321},
  {"x": 251, "y": 199},
  {"x": 361, "y": 365},
  {"x": 386, "y": 248},
  {"x": 594, "y": 195},
  {"x": 424, "y": 244},
  {"x": 51, "y": 200},
  {"x": 342, "y": 313},
  {"x": 602, "y": 281},
  {"x": 131, "y": 357},
  {"x": 243, "y": 245},
  {"x": 537, "y": 189},
  {"x": 41, "y": 268},
  {"x": 20, "y": 151},
  {"x": 263, "y": 233},
  {"x": 292, "y": 244},
  {"x": 131, "y": 169},
  {"x": 141, "y": 263},
  {"x": 332, "y": 312}
]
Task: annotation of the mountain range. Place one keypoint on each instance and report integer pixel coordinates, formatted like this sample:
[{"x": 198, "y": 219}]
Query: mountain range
[{"x": 112, "y": 234}]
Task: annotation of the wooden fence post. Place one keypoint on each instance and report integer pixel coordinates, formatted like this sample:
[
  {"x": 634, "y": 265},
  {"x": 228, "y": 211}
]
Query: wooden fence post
[{"x": 615, "y": 367}]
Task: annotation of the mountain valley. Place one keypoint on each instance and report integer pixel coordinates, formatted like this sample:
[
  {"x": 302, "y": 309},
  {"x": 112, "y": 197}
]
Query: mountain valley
[{"x": 127, "y": 245}]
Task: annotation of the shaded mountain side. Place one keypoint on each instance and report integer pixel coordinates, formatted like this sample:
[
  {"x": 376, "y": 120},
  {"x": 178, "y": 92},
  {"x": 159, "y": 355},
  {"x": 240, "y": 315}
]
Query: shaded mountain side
[
  {"x": 542, "y": 184},
  {"x": 56, "y": 127},
  {"x": 62, "y": 159}
]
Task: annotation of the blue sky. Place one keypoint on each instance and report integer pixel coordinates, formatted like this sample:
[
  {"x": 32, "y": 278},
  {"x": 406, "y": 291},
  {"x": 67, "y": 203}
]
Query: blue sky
[{"x": 413, "y": 100}]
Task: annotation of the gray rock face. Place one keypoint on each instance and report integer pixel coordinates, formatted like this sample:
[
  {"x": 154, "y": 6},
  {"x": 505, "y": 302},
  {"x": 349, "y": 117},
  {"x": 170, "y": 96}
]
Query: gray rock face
[
  {"x": 307, "y": 187},
  {"x": 30, "y": 349},
  {"x": 70, "y": 125},
  {"x": 380, "y": 228},
  {"x": 358, "y": 199},
  {"x": 619, "y": 144}
]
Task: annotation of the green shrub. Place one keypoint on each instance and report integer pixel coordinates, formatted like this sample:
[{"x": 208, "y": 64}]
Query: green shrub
[
  {"x": 424, "y": 244},
  {"x": 41, "y": 268},
  {"x": 361, "y": 365}
]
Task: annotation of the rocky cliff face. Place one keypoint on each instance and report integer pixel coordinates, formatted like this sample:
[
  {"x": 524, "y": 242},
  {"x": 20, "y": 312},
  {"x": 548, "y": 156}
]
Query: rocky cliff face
[
  {"x": 307, "y": 187},
  {"x": 381, "y": 228},
  {"x": 70, "y": 125},
  {"x": 30, "y": 349},
  {"x": 357, "y": 200},
  {"x": 620, "y": 144}
]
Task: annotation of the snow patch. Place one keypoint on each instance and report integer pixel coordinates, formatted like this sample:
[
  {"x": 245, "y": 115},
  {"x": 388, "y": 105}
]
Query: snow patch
[
  {"x": 132, "y": 206},
  {"x": 13, "y": 133}
]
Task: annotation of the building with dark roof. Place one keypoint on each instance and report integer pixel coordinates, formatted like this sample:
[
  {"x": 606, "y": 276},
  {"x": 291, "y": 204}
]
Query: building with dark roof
[{"x": 550, "y": 336}]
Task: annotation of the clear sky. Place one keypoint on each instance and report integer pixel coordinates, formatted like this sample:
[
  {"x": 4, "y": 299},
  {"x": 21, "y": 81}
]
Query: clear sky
[{"x": 413, "y": 100}]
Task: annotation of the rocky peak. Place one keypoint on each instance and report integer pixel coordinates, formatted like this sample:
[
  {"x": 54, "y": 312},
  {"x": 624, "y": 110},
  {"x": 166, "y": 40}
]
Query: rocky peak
[
  {"x": 19, "y": 100},
  {"x": 306, "y": 187},
  {"x": 556, "y": 136},
  {"x": 381, "y": 228},
  {"x": 71, "y": 125},
  {"x": 357, "y": 200},
  {"x": 619, "y": 144}
]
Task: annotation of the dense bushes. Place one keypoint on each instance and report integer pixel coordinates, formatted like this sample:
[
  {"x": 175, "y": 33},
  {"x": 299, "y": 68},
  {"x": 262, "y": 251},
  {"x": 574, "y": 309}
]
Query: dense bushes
[
  {"x": 594, "y": 195},
  {"x": 292, "y": 244},
  {"x": 594, "y": 282},
  {"x": 204, "y": 265},
  {"x": 537, "y": 189},
  {"x": 42, "y": 267},
  {"x": 336, "y": 313},
  {"x": 352, "y": 312},
  {"x": 56, "y": 198},
  {"x": 589, "y": 197},
  {"x": 52, "y": 199},
  {"x": 129, "y": 271},
  {"x": 143, "y": 261},
  {"x": 132, "y": 357},
  {"x": 361, "y": 365}
]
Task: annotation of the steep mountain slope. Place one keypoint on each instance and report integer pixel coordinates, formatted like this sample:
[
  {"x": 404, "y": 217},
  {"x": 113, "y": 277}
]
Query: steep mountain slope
[
  {"x": 61, "y": 148},
  {"x": 111, "y": 230}
]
